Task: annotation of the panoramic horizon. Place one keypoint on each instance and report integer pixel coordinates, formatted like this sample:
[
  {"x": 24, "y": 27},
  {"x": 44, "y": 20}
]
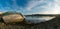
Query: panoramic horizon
[{"x": 31, "y": 6}]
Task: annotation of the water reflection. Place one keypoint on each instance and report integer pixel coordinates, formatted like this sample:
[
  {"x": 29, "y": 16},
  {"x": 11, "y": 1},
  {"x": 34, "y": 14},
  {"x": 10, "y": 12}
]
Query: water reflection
[{"x": 38, "y": 19}]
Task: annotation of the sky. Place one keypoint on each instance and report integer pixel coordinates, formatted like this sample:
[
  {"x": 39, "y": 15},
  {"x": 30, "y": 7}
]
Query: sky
[{"x": 31, "y": 6}]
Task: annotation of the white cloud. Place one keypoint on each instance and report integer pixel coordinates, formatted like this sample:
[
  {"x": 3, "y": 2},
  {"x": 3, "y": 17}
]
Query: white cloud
[
  {"x": 51, "y": 7},
  {"x": 33, "y": 3}
]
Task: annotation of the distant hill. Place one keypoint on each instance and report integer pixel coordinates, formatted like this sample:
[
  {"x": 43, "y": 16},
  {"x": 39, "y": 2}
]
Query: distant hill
[{"x": 43, "y": 15}]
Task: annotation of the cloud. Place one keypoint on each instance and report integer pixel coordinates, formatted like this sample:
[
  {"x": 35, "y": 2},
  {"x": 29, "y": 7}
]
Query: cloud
[
  {"x": 44, "y": 6},
  {"x": 36, "y": 3},
  {"x": 32, "y": 4},
  {"x": 56, "y": 6}
]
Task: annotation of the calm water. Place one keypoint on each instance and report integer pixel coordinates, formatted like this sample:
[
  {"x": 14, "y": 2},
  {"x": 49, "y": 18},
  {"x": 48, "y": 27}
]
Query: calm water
[{"x": 38, "y": 19}]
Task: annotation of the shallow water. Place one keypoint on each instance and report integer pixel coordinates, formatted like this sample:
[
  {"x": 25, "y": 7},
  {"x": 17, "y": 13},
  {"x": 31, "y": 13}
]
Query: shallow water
[{"x": 38, "y": 19}]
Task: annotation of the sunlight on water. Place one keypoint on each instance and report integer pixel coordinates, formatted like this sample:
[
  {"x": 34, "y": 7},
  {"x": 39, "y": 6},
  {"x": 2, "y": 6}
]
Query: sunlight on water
[{"x": 38, "y": 19}]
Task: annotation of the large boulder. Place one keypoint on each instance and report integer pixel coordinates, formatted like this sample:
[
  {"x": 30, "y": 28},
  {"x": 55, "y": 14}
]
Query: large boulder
[{"x": 12, "y": 17}]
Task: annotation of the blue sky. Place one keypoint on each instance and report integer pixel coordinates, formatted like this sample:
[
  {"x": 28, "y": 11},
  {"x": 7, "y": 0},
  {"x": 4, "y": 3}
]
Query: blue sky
[{"x": 31, "y": 6}]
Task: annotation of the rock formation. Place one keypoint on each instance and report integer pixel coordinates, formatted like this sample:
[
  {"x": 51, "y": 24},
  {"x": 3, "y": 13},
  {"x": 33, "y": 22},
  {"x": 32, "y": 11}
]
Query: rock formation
[{"x": 12, "y": 17}]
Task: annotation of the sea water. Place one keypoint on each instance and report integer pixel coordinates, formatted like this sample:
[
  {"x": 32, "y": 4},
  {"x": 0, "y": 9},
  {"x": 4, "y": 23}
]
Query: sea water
[{"x": 38, "y": 19}]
